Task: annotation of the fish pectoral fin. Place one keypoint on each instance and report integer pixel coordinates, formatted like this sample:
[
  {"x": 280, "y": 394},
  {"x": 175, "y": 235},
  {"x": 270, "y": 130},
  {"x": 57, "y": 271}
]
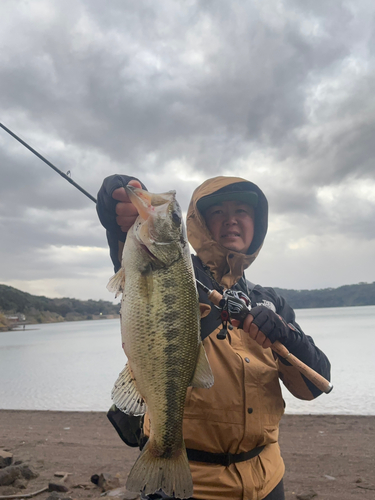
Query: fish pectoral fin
[
  {"x": 203, "y": 376},
  {"x": 117, "y": 282},
  {"x": 125, "y": 394}
]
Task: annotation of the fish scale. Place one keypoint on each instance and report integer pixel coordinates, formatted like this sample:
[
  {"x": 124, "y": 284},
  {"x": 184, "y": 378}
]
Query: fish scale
[{"x": 161, "y": 339}]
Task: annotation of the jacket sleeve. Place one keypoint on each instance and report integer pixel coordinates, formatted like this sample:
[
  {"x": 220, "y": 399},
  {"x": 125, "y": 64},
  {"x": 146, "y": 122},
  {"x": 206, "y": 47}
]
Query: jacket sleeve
[
  {"x": 106, "y": 209},
  {"x": 303, "y": 348}
]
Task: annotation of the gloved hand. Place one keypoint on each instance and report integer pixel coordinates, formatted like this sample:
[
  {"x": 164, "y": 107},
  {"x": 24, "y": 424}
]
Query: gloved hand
[
  {"x": 116, "y": 212},
  {"x": 265, "y": 327}
]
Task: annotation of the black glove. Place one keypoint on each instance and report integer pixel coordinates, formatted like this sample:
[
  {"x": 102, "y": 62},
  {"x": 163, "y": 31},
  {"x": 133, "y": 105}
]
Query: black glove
[
  {"x": 106, "y": 205},
  {"x": 274, "y": 327}
]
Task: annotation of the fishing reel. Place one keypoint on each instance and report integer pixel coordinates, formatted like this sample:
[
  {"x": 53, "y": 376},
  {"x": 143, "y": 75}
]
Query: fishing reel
[{"x": 234, "y": 305}]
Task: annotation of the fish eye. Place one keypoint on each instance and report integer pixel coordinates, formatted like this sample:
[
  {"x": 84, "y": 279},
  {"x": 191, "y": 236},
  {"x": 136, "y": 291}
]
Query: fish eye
[{"x": 176, "y": 218}]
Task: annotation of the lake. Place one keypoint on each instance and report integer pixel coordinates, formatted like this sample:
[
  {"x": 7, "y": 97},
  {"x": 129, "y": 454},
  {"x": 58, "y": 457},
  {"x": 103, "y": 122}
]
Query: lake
[{"x": 73, "y": 365}]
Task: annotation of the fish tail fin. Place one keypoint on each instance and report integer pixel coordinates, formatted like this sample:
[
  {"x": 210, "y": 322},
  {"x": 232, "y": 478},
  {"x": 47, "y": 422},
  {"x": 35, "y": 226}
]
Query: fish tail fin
[{"x": 151, "y": 474}]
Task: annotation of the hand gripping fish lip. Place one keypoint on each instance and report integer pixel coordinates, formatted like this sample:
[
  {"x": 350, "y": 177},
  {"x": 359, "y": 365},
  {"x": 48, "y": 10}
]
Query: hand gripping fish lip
[{"x": 141, "y": 200}]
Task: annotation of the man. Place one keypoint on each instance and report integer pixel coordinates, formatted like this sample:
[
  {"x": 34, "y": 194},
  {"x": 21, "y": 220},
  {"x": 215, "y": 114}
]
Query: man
[{"x": 231, "y": 429}]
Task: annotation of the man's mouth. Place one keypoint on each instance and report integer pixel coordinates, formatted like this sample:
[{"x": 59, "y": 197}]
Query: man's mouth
[{"x": 231, "y": 235}]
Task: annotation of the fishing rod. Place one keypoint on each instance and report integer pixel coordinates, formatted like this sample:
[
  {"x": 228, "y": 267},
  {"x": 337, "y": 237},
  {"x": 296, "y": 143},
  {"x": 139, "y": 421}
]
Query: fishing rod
[
  {"x": 67, "y": 178},
  {"x": 214, "y": 296},
  {"x": 230, "y": 302}
]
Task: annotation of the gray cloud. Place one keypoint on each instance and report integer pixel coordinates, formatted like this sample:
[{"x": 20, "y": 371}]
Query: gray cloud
[{"x": 277, "y": 92}]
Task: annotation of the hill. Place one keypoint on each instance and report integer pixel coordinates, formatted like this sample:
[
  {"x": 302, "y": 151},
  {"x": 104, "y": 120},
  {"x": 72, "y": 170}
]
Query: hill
[
  {"x": 40, "y": 309},
  {"x": 362, "y": 294}
]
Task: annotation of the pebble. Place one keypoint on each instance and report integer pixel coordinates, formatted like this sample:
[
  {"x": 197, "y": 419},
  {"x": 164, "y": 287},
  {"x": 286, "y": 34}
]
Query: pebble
[
  {"x": 107, "y": 482},
  {"x": 6, "y": 459},
  {"x": 57, "y": 487},
  {"x": 55, "y": 496},
  {"x": 123, "y": 494},
  {"x": 331, "y": 478},
  {"x": 308, "y": 495}
]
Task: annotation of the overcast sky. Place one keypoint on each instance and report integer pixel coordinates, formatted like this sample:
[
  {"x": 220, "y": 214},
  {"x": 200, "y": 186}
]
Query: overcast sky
[{"x": 279, "y": 92}]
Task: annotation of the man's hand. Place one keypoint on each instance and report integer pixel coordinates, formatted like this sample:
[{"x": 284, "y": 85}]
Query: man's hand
[
  {"x": 265, "y": 327},
  {"x": 125, "y": 210},
  {"x": 115, "y": 211}
]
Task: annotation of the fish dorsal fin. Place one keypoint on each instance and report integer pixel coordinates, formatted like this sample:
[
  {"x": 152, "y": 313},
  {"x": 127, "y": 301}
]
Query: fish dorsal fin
[
  {"x": 125, "y": 394},
  {"x": 117, "y": 282},
  {"x": 203, "y": 376}
]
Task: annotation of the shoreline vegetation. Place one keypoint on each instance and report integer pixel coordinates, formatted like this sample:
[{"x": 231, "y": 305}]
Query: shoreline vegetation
[{"x": 19, "y": 308}]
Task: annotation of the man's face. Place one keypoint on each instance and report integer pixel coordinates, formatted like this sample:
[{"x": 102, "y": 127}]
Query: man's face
[{"x": 231, "y": 224}]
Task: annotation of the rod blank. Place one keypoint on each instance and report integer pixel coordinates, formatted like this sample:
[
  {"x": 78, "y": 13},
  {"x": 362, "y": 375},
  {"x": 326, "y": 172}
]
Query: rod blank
[{"x": 48, "y": 163}]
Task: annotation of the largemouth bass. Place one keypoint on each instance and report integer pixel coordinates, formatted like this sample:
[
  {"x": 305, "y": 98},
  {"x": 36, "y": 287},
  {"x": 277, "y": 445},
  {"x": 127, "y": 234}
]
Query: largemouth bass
[{"x": 161, "y": 339}]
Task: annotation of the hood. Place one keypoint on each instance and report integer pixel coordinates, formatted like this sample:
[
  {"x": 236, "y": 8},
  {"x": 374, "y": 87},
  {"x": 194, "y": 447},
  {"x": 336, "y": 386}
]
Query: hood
[{"x": 226, "y": 265}]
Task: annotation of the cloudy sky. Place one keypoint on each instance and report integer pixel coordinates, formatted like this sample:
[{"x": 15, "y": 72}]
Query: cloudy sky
[{"x": 279, "y": 92}]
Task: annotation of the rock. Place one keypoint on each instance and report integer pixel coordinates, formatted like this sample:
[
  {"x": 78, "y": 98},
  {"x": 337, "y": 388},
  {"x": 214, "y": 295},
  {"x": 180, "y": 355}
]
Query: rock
[
  {"x": 57, "y": 487},
  {"x": 366, "y": 486},
  {"x": 56, "y": 496},
  {"x": 27, "y": 472},
  {"x": 107, "y": 482},
  {"x": 308, "y": 495},
  {"x": 123, "y": 494},
  {"x": 95, "y": 479},
  {"x": 9, "y": 475},
  {"x": 21, "y": 484},
  {"x": 6, "y": 459}
]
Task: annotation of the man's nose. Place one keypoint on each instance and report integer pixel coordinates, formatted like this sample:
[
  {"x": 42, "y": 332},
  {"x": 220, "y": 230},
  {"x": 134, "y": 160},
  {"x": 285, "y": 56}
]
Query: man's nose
[{"x": 230, "y": 219}]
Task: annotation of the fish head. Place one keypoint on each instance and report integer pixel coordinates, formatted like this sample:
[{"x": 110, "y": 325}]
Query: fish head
[{"x": 159, "y": 228}]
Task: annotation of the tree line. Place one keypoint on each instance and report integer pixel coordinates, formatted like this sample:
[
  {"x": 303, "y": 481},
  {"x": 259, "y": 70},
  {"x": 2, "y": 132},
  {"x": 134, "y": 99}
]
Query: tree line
[
  {"x": 362, "y": 294},
  {"x": 42, "y": 309}
]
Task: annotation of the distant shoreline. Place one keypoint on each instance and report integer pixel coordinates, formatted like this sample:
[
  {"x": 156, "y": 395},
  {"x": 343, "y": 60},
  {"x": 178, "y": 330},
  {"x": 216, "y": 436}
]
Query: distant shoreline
[{"x": 17, "y": 327}]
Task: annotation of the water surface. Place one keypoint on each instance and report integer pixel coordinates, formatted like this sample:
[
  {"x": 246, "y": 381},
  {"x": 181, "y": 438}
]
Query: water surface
[{"x": 73, "y": 365}]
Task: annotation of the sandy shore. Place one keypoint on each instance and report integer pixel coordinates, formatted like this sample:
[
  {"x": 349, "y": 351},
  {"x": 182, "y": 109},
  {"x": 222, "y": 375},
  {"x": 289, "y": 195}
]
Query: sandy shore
[{"x": 334, "y": 456}]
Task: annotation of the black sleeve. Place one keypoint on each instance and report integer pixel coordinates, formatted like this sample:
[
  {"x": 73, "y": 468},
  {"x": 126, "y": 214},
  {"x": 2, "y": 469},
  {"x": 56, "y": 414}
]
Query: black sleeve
[
  {"x": 303, "y": 347},
  {"x": 106, "y": 209}
]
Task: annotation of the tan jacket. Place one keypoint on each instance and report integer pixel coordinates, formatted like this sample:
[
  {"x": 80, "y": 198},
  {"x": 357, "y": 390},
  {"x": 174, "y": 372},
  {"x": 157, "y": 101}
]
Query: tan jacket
[{"x": 243, "y": 408}]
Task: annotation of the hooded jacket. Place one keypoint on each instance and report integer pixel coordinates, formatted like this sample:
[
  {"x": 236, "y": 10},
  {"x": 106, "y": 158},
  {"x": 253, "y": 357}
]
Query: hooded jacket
[{"x": 243, "y": 408}]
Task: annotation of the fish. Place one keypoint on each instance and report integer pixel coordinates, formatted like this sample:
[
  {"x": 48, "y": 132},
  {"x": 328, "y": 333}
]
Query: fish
[{"x": 160, "y": 328}]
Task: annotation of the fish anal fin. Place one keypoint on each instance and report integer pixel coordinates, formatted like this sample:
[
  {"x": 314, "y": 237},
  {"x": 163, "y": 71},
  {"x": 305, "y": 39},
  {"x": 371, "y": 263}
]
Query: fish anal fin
[
  {"x": 203, "y": 376},
  {"x": 117, "y": 282},
  {"x": 125, "y": 394}
]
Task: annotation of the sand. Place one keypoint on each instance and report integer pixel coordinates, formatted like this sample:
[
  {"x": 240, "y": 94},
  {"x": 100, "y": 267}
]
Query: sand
[{"x": 333, "y": 456}]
